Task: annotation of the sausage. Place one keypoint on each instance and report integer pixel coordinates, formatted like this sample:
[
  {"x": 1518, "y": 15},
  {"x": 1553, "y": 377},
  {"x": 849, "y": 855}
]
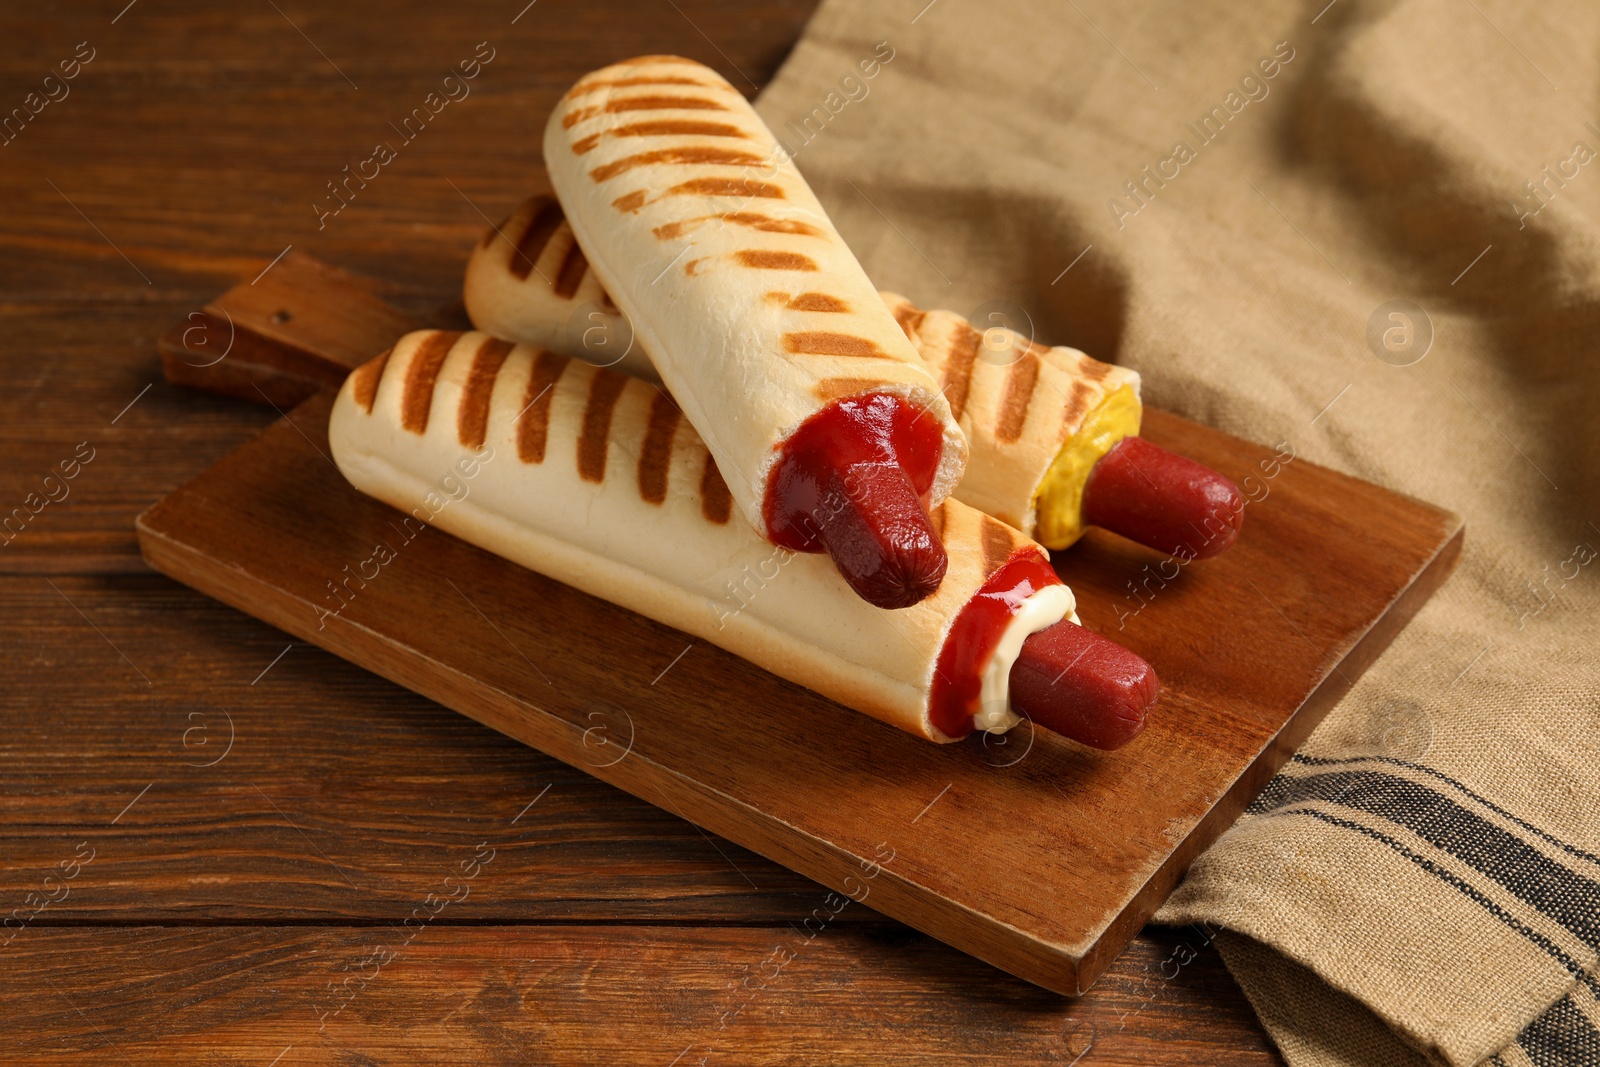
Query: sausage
[
  {"x": 1161, "y": 499},
  {"x": 844, "y": 486},
  {"x": 1083, "y": 686}
]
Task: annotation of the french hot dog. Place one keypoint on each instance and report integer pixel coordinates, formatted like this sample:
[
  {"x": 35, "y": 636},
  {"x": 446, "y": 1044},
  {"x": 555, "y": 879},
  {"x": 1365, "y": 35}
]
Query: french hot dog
[
  {"x": 594, "y": 478},
  {"x": 1051, "y": 431},
  {"x": 1055, "y": 446},
  {"x": 758, "y": 319}
]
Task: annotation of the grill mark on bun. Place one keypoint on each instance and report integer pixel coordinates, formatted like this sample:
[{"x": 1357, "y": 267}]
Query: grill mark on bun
[
  {"x": 680, "y": 128},
  {"x": 366, "y": 379},
  {"x": 817, "y": 302},
  {"x": 655, "y": 455},
  {"x": 1079, "y": 397},
  {"x": 1094, "y": 370},
  {"x": 1020, "y": 380},
  {"x": 631, "y": 203},
  {"x": 997, "y": 540},
  {"x": 422, "y": 374},
  {"x": 533, "y": 424},
  {"x": 585, "y": 88},
  {"x": 745, "y": 187},
  {"x": 641, "y": 103},
  {"x": 663, "y": 103},
  {"x": 495, "y": 232},
  {"x": 768, "y": 224},
  {"x": 957, "y": 383},
  {"x": 472, "y": 417},
  {"x": 910, "y": 319},
  {"x": 826, "y": 343},
  {"x": 573, "y": 268},
  {"x": 771, "y": 259},
  {"x": 661, "y": 128},
  {"x": 546, "y": 219},
  {"x": 834, "y": 388},
  {"x": 716, "y": 502},
  {"x": 676, "y": 229},
  {"x": 754, "y": 220},
  {"x": 605, "y": 388},
  {"x": 699, "y": 155}
]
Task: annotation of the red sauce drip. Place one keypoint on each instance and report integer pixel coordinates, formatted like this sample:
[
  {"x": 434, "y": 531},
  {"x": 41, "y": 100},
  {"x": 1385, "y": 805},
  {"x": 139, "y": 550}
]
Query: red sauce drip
[
  {"x": 870, "y": 428},
  {"x": 953, "y": 698}
]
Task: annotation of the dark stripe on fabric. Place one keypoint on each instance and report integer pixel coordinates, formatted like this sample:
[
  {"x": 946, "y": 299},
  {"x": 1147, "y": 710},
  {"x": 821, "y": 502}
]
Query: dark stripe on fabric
[
  {"x": 1561, "y": 1037},
  {"x": 1315, "y": 761},
  {"x": 1555, "y": 951},
  {"x": 1528, "y": 874}
]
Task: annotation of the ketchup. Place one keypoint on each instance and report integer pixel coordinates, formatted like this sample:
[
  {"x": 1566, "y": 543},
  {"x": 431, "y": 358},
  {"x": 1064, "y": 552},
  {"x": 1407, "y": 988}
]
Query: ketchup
[
  {"x": 1066, "y": 679},
  {"x": 953, "y": 697},
  {"x": 853, "y": 481}
]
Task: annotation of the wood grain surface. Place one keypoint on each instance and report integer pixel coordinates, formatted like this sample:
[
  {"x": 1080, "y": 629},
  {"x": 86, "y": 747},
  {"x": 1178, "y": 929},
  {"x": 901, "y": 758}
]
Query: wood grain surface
[
  {"x": 185, "y": 159},
  {"x": 1098, "y": 838}
]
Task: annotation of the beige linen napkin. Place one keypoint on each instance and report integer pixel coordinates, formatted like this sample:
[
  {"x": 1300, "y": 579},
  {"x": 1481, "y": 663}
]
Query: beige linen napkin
[{"x": 1371, "y": 230}]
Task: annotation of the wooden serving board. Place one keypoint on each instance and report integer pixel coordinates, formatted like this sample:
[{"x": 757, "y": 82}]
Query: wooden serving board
[{"x": 1036, "y": 854}]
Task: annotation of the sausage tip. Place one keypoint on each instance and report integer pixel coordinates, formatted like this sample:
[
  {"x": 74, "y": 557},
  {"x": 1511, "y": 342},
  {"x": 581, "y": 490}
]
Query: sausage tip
[
  {"x": 1083, "y": 686},
  {"x": 1163, "y": 500}
]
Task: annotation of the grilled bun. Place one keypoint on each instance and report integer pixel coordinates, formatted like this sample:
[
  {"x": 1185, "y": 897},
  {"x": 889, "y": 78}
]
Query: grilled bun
[{"x": 752, "y": 308}]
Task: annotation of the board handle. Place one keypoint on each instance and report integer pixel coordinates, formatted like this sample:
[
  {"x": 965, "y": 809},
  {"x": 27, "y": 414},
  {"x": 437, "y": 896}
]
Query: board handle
[{"x": 298, "y": 327}]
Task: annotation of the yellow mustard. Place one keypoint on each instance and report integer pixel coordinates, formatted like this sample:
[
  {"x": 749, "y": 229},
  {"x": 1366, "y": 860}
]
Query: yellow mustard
[{"x": 1058, "y": 502}]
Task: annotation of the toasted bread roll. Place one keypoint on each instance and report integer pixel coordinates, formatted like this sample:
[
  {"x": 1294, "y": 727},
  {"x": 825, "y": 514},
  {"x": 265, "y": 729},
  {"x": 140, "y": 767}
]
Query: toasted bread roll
[
  {"x": 752, "y": 308},
  {"x": 1029, "y": 412},
  {"x": 593, "y": 478},
  {"x": 1022, "y": 406}
]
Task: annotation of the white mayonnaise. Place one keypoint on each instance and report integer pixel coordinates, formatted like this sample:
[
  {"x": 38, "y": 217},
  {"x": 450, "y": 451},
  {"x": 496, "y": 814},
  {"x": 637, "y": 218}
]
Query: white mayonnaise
[{"x": 1040, "y": 609}]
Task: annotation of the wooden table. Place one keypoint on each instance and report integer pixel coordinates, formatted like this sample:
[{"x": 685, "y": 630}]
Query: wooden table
[{"x": 222, "y": 847}]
